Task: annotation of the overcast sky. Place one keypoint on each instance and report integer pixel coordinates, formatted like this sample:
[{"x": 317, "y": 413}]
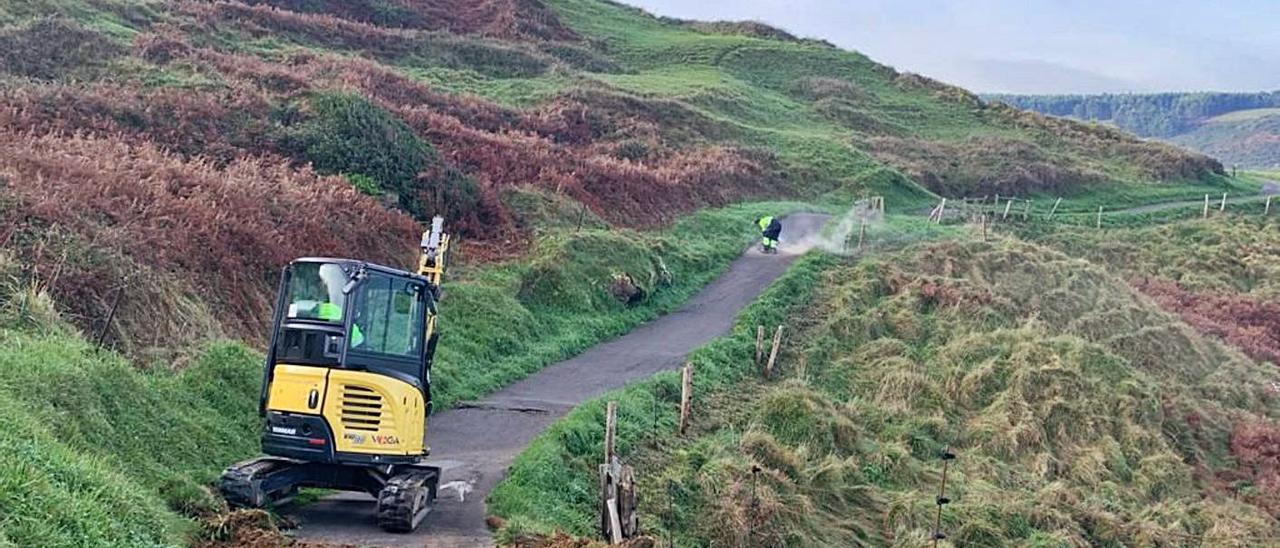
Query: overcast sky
[{"x": 1037, "y": 46}]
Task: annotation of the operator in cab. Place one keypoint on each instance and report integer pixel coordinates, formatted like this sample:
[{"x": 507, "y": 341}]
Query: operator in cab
[{"x": 318, "y": 295}]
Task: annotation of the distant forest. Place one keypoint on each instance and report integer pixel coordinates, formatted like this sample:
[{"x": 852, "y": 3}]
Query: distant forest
[{"x": 1159, "y": 115}]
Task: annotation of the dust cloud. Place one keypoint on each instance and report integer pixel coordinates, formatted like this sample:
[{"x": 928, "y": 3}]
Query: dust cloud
[{"x": 840, "y": 238}]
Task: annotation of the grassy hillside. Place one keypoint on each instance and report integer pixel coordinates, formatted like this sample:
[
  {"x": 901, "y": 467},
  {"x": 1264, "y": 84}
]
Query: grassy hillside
[
  {"x": 1082, "y": 415},
  {"x": 1241, "y": 129},
  {"x": 165, "y": 158},
  {"x": 96, "y": 452},
  {"x": 173, "y": 139},
  {"x": 1246, "y": 138},
  {"x": 1219, "y": 274}
]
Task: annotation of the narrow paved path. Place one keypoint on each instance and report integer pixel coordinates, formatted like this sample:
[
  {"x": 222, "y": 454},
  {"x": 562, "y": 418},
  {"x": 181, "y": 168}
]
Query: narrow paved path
[
  {"x": 475, "y": 443},
  {"x": 1268, "y": 189}
]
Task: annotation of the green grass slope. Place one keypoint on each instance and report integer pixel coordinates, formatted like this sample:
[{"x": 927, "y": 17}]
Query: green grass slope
[
  {"x": 828, "y": 110},
  {"x": 1082, "y": 415},
  {"x": 179, "y": 153},
  {"x": 449, "y": 107},
  {"x": 95, "y": 452}
]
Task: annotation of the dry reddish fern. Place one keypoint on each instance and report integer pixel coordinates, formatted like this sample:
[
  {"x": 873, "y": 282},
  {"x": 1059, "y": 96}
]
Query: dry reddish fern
[
  {"x": 1245, "y": 322},
  {"x": 226, "y": 230}
]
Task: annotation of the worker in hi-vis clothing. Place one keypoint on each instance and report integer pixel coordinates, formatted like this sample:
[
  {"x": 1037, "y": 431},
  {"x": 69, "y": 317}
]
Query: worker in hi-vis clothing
[
  {"x": 770, "y": 229},
  {"x": 330, "y": 312}
]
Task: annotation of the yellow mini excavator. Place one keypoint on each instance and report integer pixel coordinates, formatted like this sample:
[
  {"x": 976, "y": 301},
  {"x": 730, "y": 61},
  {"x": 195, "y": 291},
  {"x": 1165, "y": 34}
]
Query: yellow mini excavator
[{"x": 346, "y": 390}]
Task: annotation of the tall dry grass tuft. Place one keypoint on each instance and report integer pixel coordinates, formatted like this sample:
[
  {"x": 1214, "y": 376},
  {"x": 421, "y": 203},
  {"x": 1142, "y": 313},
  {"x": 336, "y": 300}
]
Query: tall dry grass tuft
[{"x": 1082, "y": 413}]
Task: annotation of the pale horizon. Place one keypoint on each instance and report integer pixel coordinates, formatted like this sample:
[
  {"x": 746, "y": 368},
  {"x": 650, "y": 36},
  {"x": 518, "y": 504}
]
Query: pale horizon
[{"x": 1036, "y": 46}]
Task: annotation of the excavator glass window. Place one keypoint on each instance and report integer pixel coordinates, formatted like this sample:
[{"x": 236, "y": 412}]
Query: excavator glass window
[
  {"x": 315, "y": 292},
  {"x": 390, "y": 317}
]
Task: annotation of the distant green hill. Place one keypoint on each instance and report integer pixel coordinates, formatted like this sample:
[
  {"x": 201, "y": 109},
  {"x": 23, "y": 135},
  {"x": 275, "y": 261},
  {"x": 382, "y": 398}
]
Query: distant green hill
[{"x": 1238, "y": 128}]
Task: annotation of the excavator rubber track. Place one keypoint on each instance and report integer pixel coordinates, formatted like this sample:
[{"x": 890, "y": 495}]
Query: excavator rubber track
[
  {"x": 242, "y": 485},
  {"x": 406, "y": 499}
]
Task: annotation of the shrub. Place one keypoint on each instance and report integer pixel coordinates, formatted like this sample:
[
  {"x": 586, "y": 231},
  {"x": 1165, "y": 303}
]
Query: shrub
[
  {"x": 425, "y": 48},
  {"x": 223, "y": 126},
  {"x": 1250, "y": 324},
  {"x": 1256, "y": 445},
  {"x": 162, "y": 48},
  {"x": 347, "y": 133},
  {"x": 447, "y": 192},
  {"x": 385, "y": 13},
  {"x": 632, "y": 149}
]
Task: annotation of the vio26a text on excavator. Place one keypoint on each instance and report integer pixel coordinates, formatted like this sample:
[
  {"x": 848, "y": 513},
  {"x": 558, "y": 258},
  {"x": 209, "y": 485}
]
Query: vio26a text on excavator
[{"x": 346, "y": 390}]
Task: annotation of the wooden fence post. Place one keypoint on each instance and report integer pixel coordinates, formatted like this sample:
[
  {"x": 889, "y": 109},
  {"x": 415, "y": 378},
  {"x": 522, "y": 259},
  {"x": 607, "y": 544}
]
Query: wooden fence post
[
  {"x": 773, "y": 354},
  {"x": 1206, "y": 206},
  {"x": 1224, "y": 202},
  {"x": 1099, "y": 216},
  {"x": 862, "y": 235},
  {"x": 686, "y": 397},
  {"x": 942, "y": 210},
  {"x": 1055, "y": 207},
  {"x": 1267, "y": 211},
  {"x": 111, "y": 315},
  {"x": 1026, "y": 211},
  {"x": 759, "y": 344},
  {"x": 618, "y": 517},
  {"x": 1007, "y": 207},
  {"x": 984, "y": 227},
  {"x": 610, "y": 431}
]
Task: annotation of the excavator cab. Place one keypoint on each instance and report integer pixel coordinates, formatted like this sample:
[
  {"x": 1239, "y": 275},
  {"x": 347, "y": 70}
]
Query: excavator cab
[
  {"x": 365, "y": 327},
  {"x": 346, "y": 387}
]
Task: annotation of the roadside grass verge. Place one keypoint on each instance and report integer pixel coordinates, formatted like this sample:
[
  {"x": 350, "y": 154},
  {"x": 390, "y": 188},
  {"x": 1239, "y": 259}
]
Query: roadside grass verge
[
  {"x": 552, "y": 485},
  {"x": 1235, "y": 253},
  {"x": 1219, "y": 274},
  {"x": 1123, "y": 196},
  {"x": 95, "y": 452},
  {"x": 1082, "y": 415}
]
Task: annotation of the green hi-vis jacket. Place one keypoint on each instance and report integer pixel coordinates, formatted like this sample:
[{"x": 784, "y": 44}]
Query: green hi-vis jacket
[{"x": 330, "y": 312}]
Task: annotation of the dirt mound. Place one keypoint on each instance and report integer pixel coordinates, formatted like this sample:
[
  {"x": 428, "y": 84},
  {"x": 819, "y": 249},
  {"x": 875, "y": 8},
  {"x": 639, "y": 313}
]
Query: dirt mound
[{"x": 243, "y": 528}]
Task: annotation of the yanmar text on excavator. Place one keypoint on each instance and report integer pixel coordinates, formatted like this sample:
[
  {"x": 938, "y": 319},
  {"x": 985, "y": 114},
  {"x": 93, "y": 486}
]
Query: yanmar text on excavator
[{"x": 346, "y": 390}]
